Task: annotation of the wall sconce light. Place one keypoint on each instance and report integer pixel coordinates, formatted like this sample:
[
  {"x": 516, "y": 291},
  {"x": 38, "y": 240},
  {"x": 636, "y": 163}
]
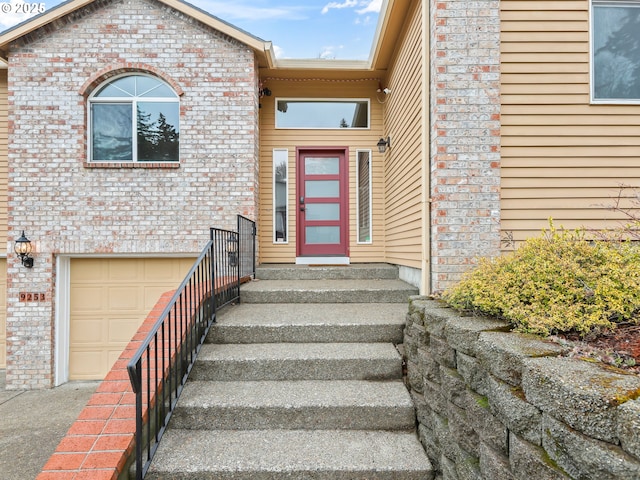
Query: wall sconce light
[
  {"x": 23, "y": 249},
  {"x": 264, "y": 92},
  {"x": 384, "y": 144},
  {"x": 232, "y": 250}
]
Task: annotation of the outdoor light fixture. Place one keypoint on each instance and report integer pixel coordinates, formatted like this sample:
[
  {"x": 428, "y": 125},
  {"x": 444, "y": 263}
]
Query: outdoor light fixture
[
  {"x": 23, "y": 249},
  {"x": 384, "y": 144},
  {"x": 232, "y": 250}
]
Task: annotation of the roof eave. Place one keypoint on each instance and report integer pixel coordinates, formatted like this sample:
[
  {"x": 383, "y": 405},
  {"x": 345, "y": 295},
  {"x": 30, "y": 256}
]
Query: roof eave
[{"x": 390, "y": 25}]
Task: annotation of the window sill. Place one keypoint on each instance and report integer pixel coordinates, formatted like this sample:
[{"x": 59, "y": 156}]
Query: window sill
[{"x": 154, "y": 165}]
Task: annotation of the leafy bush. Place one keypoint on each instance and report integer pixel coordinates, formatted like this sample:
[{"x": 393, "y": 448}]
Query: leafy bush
[{"x": 560, "y": 282}]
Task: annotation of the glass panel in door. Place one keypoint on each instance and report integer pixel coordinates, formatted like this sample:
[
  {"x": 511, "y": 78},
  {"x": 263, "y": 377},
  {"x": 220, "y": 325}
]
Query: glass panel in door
[{"x": 322, "y": 212}]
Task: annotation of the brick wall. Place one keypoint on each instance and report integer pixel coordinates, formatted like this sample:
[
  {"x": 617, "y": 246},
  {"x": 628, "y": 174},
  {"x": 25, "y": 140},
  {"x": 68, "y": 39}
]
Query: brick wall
[
  {"x": 68, "y": 207},
  {"x": 465, "y": 135}
]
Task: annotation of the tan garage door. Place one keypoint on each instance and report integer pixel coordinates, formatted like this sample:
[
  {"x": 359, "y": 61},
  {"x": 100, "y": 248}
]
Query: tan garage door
[
  {"x": 110, "y": 298},
  {"x": 3, "y": 313}
]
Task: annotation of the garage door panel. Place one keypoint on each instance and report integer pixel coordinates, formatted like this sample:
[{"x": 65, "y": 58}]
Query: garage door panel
[
  {"x": 110, "y": 298},
  {"x": 125, "y": 270},
  {"x": 113, "y": 355},
  {"x": 89, "y": 270},
  {"x": 125, "y": 298},
  {"x": 152, "y": 294},
  {"x": 87, "y": 331},
  {"x": 158, "y": 273},
  {"x": 87, "y": 299},
  {"x": 122, "y": 330},
  {"x": 85, "y": 364}
]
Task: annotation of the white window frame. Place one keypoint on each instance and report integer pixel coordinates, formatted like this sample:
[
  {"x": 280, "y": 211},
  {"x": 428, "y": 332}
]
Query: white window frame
[
  {"x": 592, "y": 98},
  {"x": 321, "y": 100},
  {"x": 370, "y": 200},
  {"x": 280, "y": 155},
  {"x": 92, "y": 100}
]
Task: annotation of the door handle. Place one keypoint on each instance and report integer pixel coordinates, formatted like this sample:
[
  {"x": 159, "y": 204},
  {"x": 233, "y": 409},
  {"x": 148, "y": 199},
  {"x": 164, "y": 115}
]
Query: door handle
[{"x": 301, "y": 200}]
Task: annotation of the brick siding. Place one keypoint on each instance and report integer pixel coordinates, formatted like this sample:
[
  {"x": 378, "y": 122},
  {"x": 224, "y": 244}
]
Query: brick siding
[
  {"x": 68, "y": 207},
  {"x": 465, "y": 136}
]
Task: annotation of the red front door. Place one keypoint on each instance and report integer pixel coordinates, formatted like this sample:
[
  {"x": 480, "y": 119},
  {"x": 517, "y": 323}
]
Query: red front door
[{"x": 322, "y": 203}]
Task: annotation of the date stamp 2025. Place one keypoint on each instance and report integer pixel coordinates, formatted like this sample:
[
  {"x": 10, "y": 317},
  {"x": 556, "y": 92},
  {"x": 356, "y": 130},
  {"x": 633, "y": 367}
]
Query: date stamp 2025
[{"x": 21, "y": 8}]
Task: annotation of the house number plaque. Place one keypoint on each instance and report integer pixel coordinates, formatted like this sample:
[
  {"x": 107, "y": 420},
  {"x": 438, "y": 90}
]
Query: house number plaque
[{"x": 32, "y": 297}]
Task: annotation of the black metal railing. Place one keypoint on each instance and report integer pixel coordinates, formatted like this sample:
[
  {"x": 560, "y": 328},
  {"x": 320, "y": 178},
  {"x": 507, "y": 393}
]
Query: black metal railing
[
  {"x": 247, "y": 247},
  {"x": 159, "y": 369}
]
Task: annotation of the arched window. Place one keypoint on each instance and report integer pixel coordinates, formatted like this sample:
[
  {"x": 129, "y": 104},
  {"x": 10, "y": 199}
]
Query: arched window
[{"x": 134, "y": 118}]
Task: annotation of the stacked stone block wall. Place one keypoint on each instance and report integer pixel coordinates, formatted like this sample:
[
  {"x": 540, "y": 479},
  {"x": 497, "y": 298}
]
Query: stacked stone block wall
[
  {"x": 68, "y": 206},
  {"x": 465, "y": 135},
  {"x": 495, "y": 405}
]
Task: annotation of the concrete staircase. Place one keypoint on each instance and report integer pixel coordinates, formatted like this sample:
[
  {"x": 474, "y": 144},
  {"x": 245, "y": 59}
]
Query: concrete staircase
[{"x": 302, "y": 380}]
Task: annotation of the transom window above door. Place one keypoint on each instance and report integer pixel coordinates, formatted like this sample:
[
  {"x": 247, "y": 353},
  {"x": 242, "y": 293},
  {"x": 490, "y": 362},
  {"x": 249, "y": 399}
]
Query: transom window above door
[
  {"x": 134, "y": 118},
  {"x": 322, "y": 114}
]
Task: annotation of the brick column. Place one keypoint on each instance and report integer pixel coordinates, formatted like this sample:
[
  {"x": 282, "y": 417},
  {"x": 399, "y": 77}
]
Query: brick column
[{"x": 465, "y": 136}]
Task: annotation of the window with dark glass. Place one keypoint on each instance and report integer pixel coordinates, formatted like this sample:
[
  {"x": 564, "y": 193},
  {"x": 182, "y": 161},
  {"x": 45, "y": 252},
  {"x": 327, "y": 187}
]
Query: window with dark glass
[
  {"x": 280, "y": 195},
  {"x": 322, "y": 114},
  {"x": 363, "y": 170},
  {"x": 134, "y": 118},
  {"x": 616, "y": 51}
]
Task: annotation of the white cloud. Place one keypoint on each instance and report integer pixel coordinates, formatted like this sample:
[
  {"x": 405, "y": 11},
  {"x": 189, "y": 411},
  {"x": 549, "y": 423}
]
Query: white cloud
[
  {"x": 367, "y": 20},
  {"x": 370, "y": 6},
  {"x": 278, "y": 51},
  {"x": 336, "y": 5},
  {"x": 366, "y": 6},
  {"x": 234, "y": 10},
  {"x": 329, "y": 52}
]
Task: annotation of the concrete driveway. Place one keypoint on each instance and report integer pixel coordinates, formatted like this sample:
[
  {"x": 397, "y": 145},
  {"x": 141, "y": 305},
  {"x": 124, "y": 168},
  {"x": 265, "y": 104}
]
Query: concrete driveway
[{"x": 32, "y": 423}]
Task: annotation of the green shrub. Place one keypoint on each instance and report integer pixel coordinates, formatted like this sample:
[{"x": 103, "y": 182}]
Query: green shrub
[{"x": 559, "y": 282}]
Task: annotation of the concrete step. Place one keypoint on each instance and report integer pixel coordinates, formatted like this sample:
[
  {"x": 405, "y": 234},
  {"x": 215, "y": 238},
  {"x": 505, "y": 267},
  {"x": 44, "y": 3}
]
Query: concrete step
[
  {"x": 297, "y": 361},
  {"x": 289, "y": 454},
  {"x": 327, "y": 291},
  {"x": 309, "y": 323},
  {"x": 363, "y": 271},
  {"x": 303, "y": 405}
]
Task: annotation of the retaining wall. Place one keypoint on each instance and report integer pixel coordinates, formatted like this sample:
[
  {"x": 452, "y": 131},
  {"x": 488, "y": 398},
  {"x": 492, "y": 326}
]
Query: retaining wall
[{"x": 497, "y": 405}]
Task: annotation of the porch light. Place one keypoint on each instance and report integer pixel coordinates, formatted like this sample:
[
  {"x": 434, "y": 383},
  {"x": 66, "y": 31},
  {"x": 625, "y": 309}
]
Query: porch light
[
  {"x": 232, "y": 250},
  {"x": 23, "y": 249},
  {"x": 384, "y": 144}
]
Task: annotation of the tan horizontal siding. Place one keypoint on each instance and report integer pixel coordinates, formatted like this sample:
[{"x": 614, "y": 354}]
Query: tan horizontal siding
[
  {"x": 561, "y": 195},
  {"x": 403, "y": 167},
  {"x": 531, "y": 5},
  {"x": 573, "y": 151},
  {"x": 533, "y": 79},
  {"x": 272, "y": 138},
  {"x": 562, "y": 157},
  {"x": 576, "y": 122},
  {"x": 545, "y": 89},
  {"x": 560, "y": 162}
]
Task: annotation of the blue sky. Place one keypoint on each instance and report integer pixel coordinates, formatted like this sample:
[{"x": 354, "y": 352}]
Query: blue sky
[{"x": 341, "y": 29}]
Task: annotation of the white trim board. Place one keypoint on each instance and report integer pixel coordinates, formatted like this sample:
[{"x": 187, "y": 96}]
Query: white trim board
[{"x": 322, "y": 261}]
